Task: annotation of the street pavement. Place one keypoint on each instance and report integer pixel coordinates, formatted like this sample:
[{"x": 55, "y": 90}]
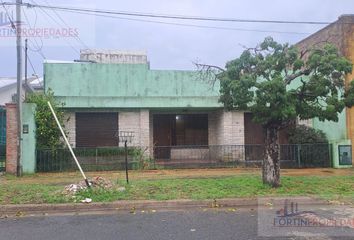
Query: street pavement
[{"x": 200, "y": 224}]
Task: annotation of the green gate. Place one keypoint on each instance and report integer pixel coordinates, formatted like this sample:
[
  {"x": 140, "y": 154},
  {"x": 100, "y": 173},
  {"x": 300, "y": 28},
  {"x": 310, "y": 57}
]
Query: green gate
[{"x": 2, "y": 138}]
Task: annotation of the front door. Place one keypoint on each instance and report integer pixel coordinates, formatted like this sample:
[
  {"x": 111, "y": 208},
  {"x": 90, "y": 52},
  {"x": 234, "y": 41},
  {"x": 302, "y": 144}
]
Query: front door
[{"x": 162, "y": 135}]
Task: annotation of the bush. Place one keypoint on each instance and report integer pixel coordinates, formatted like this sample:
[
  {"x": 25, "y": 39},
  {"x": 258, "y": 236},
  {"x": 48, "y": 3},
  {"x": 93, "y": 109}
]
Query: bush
[
  {"x": 302, "y": 134},
  {"x": 48, "y": 134}
]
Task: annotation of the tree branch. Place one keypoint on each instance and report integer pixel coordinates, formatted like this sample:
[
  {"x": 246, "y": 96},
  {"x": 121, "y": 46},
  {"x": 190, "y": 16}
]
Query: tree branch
[
  {"x": 208, "y": 72},
  {"x": 291, "y": 77},
  {"x": 207, "y": 67}
]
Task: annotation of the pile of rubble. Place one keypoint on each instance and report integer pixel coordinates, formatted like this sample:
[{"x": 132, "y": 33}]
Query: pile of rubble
[{"x": 96, "y": 182}]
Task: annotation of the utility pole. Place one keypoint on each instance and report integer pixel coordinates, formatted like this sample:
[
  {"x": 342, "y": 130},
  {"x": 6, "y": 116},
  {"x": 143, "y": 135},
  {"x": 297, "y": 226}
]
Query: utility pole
[
  {"x": 19, "y": 86},
  {"x": 26, "y": 59}
]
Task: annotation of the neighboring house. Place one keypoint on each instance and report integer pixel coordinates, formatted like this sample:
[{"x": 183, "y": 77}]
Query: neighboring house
[
  {"x": 8, "y": 88},
  {"x": 341, "y": 34}
]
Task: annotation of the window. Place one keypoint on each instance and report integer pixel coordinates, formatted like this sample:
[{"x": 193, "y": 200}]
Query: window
[{"x": 96, "y": 129}]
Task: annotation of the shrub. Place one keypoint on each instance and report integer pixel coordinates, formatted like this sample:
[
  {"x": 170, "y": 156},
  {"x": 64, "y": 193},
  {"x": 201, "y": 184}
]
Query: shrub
[
  {"x": 47, "y": 132},
  {"x": 302, "y": 134}
]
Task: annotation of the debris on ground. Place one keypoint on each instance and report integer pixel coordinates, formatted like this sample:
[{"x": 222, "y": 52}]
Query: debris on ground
[
  {"x": 214, "y": 204},
  {"x": 86, "y": 200},
  {"x": 132, "y": 210},
  {"x": 101, "y": 182},
  {"x": 95, "y": 182},
  {"x": 72, "y": 189},
  {"x": 19, "y": 214},
  {"x": 121, "y": 189}
]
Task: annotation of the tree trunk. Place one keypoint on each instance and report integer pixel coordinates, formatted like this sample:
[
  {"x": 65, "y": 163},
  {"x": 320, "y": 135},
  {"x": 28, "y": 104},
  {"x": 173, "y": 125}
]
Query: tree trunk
[{"x": 271, "y": 162}]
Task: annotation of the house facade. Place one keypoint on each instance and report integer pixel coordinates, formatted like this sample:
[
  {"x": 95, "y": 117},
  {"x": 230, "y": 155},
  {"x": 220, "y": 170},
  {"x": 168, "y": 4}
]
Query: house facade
[
  {"x": 161, "y": 107},
  {"x": 175, "y": 114}
]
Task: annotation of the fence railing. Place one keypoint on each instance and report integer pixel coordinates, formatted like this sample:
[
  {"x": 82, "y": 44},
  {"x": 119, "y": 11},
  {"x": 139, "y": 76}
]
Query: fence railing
[
  {"x": 2, "y": 157},
  {"x": 291, "y": 156},
  {"x": 96, "y": 159},
  {"x": 2, "y": 125},
  {"x": 91, "y": 159}
]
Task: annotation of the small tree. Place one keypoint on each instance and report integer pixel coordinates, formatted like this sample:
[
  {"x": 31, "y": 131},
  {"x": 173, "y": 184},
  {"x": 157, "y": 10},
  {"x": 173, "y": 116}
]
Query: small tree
[
  {"x": 278, "y": 84},
  {"x": 47, "y": 132}
]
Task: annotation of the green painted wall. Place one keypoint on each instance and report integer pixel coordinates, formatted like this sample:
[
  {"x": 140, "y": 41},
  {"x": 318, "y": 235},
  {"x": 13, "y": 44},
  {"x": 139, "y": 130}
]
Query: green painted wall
[
  {"x": 29, "y": 139},
  {"x": 94, "y": 85},
  {"x": 335, "y": 131}
]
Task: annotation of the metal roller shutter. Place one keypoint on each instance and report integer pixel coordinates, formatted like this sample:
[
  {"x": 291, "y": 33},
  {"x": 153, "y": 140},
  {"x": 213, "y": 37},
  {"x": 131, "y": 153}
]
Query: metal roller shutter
[{"x": 96, "y": 129}]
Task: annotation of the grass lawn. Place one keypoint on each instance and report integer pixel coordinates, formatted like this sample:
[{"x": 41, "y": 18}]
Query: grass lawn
[{"x": 13, "y": 191}]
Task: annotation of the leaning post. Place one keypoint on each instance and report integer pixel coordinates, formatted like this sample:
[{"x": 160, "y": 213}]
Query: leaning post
[{"x": 67, "y": 143}]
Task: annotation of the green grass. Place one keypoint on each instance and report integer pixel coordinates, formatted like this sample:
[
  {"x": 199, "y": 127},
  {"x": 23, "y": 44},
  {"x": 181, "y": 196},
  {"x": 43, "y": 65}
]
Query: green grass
[
  {"x": 328, "y": 187},
  {"x": 31, "y": 193}
]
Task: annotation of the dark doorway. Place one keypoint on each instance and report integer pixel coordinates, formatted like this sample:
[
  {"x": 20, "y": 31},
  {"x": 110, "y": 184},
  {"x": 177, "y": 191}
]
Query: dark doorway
[
  {"x": 178, "y": 130},
  {"x": 255, "y": 138},
  {"x": 254, "y": 133}
]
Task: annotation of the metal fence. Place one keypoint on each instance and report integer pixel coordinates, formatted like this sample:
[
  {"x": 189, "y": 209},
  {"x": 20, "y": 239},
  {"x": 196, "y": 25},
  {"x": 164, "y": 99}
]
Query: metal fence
[
  {"x": 2, "y": 125},
  {"x": 2, "y": 157},
  {"x": 103, "y": 159},
  {"x": 91, "y": 159},
  {"x": 2, "y": 138},
  {"x": 291, "y": 156}
]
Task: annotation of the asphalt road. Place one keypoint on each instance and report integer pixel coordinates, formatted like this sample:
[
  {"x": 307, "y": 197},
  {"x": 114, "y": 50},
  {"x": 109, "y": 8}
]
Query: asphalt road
[{"x": 200, "y": 224}]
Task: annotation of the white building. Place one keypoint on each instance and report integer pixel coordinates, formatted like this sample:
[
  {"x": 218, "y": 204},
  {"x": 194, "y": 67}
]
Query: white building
[{"x": 8, "y": 88}]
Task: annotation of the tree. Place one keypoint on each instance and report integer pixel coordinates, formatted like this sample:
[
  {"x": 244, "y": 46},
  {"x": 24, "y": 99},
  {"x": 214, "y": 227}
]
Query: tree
[
  {"x": 278, "y": 84},
  {"x": 48, "y": 134}
]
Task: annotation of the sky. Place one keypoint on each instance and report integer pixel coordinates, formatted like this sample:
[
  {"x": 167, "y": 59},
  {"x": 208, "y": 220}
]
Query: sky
[{"x": 167, "y": 46}]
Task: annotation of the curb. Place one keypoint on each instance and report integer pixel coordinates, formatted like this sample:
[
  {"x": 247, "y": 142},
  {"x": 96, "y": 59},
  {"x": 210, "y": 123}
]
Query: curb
[
  {"x": 125, "y": 206},
  {"x": 183, "y": 204}
]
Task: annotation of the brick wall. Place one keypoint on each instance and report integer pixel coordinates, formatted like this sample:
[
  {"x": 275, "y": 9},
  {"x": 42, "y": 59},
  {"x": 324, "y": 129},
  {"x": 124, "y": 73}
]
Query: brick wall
[
  {"x": 226, "y": 128},
  {"x": 332, "y": 33},
  {"x": 144, "y": 128},
  {"x": 70, "y": 127},
  {"x": 234, "y": 128},
  {"x": 139, "y": 123},
  {"x": 11, "y": 138}
]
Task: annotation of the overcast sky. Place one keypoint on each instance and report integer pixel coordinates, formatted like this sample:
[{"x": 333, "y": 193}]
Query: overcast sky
[{"x": 168, "y": 46}]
